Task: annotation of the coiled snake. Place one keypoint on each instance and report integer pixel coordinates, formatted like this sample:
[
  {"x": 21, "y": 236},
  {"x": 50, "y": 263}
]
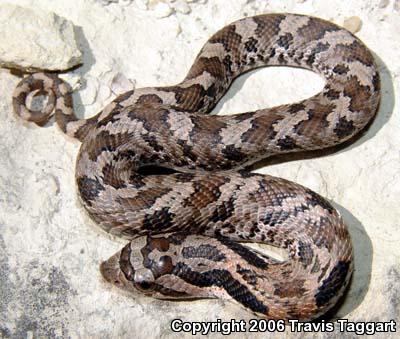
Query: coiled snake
[{"x": 185, "y": 225}]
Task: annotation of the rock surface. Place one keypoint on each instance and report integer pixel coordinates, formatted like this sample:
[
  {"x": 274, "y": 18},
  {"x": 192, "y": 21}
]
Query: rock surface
[
  {"x": 50, "y": 250},
  {"x": 33, "y": 39}
]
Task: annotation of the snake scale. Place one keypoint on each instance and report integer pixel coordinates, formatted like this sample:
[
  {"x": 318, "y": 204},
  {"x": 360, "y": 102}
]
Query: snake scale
[{"x": 187, "y": 225}]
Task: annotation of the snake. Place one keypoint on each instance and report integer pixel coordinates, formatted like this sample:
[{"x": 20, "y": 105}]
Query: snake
[{"x": 155, "y": 168}]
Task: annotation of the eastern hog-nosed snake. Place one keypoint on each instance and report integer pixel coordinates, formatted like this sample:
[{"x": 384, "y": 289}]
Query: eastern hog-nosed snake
[{"x": 193, "y": 217}]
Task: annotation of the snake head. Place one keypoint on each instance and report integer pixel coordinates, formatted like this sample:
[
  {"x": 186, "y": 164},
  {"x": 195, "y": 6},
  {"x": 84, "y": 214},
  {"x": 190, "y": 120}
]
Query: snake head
[
  {"x": 125, "y": 270},
  {"x": 146, "y": 265}
]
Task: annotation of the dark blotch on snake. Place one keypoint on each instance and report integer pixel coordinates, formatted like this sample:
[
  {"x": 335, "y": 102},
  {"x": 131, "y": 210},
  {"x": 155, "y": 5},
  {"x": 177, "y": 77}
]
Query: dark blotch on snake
[
  {"x": 233, "y": 153},
  {"x": 333, "y": 284},
  {"x": 341, "y": 69},
  {"x": 89, "y": 189},
  {"x": 159, "y": 220},
  {"x": 287, "y": 143},
  {"x": 251, "y": 45},
  {"x": 305, "y": 253},
  {"x": 125, "y": 264},
  {"x": 247, "y": 274},
  {"x": 285, "y": 40},
  {"x": 221, "y": 278},
  {"x": 315, "y": 199},
  {"x": 320, "y": 47},
  {"x": 344, "y": 127},
  {"x": 224, "y": 211},
  {"x": 205, "y": 251}
]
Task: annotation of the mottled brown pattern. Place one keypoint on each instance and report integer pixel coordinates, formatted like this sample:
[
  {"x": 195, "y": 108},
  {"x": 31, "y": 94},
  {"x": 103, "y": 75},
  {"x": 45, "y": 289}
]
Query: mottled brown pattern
[
  {"x": 294, "y": 290},
  {"x": 197, "y": 206},
  {"x": 211, "y": 65},
  {"x": 351, "y": 90},
  {"x": 267, "y": 29},
  {"x": 149, "y": 99},
  {"x": 228, "y": 38},
  {"x": 316, "y": 29},
  {"x": 355, "y": 52}
]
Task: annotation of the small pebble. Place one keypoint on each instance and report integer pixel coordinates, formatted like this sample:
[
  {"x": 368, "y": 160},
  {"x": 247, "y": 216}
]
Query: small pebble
[
  {"x": 396, "y": 5},
  {"x": 73, "y": 79},
  {"x": 353, "y": 24},
  {"x": 90, "y": 91},
  {"x": 177, "y": 29},
  {"x": 53, "y": 185},
  {"x": 383, "y": 3},
  {"x": 121, "y": 84},
  {"x": 181, "y": 7},
  {"x": 162, "y": 10},
  {"x": 142, "y": 4}
]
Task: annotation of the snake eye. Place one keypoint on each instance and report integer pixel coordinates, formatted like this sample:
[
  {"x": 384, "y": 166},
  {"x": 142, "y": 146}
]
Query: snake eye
[
  {"x": 144, "y": 285},
  {"x": 144, "y": 280}
]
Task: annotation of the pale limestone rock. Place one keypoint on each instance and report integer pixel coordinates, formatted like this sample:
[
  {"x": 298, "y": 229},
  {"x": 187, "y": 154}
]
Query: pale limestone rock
[{"x": 35, "y": 39}]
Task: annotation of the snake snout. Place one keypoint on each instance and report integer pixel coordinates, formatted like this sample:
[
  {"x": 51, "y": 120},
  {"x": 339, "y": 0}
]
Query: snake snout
[{"x": 110, "y": 270}]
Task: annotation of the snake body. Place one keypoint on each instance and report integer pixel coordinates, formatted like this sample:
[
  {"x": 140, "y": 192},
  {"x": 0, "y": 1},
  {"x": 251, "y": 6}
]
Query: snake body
[{"x": 185, "y": 225}]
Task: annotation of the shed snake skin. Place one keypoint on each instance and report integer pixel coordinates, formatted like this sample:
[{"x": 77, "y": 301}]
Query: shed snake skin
[{"x": 185, "y": 226}]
